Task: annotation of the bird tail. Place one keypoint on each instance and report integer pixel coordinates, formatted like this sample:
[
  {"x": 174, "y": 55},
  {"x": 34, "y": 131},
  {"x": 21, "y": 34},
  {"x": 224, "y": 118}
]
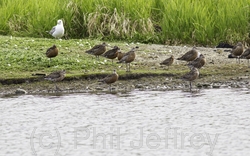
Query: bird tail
[{"x": 231, "y": 56}]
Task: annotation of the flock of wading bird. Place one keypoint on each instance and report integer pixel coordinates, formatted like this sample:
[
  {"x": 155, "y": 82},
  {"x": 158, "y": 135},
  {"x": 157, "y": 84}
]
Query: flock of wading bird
[{"x": 195, "y": 60}]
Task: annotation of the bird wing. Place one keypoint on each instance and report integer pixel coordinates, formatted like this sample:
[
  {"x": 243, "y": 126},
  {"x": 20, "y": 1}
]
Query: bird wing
[
  {"x": 124, "y": 58},
  {"x": 48, "y": 51},
  {"x": 166, "y": 61},
  {"x": 92, "y": 50},
  {"x": 246, "y": 53},
  {"x": 52, "y": 30},
  {"x": 109, "y": 53},
  {"x": 96, "y": 47}
]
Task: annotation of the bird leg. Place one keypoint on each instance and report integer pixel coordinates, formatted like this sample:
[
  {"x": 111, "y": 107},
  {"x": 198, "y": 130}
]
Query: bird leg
[
  {"x": 190, "y": 83},
  {"x": 110, "y": 87},
  {"x": 57, "y": 88}
]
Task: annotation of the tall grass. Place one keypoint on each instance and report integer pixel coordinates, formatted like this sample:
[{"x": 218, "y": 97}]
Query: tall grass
[{"x": 157, "y": 21}]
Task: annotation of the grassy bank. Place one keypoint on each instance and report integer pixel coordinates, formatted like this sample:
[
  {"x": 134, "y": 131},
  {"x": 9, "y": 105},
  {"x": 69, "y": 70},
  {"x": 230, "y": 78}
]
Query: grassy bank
[
  {"x": 22, "y": 57},
  {"x": 155, "y": 21}
]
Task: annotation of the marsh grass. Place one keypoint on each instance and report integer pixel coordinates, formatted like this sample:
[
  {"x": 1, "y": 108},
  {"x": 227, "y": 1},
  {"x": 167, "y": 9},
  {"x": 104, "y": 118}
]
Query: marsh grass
[{"x": 155, "y": 21}]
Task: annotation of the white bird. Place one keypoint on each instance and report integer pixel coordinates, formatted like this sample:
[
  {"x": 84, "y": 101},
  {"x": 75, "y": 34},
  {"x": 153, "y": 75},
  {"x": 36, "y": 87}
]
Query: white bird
[{"x": 58, "y": 30}]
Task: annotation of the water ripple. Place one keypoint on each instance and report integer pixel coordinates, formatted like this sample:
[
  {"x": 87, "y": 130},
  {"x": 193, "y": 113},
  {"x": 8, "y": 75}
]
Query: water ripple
[{"x": 213, "y": 121}]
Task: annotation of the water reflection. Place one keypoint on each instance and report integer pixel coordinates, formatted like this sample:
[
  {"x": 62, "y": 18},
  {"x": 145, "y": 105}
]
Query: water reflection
[{"x": 213, "y": 121}]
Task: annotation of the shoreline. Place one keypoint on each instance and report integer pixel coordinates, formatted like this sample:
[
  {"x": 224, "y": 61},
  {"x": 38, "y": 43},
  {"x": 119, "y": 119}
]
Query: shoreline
[
  {"x": 142, "y": 83},
  {"x": 146, "y": 73}
]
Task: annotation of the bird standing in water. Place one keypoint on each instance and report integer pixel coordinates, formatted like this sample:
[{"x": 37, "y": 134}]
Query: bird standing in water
[
  {"x": 110, "y": 79},
  {"x": 58, "y": 30}
]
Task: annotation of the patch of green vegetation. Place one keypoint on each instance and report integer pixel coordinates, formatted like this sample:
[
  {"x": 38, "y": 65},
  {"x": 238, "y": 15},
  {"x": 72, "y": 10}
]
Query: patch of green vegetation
[
  {"x": 21, "y": 57},
  {"x": 147, "y": 21}
]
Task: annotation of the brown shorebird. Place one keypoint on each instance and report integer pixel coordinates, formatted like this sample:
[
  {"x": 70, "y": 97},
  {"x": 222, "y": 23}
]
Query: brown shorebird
[
  {"x": 97, "y": 50},
  {"x": 112, "y": 53},
  {"x": 120, "y": 55},
  {"x": 52, "y": 52},
  {"x": 128, "y": 58},
  {"x": 236, "y": 51},
  {"x": 246, "y": 55},
  {"x": 198, "y": 62},
  {"x": 56, "y": 76},
  {"x": 189, "y": 56},
  {"x": 110, "y": 79},
  {"x": 191, "y": 76},
  {"x": 168, "y": 62}
]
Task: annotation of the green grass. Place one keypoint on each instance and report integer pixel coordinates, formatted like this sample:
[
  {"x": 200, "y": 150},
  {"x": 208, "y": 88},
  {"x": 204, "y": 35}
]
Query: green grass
[
  {"x": 181, "y": 21},
  {"x": 20, "y": 57}
]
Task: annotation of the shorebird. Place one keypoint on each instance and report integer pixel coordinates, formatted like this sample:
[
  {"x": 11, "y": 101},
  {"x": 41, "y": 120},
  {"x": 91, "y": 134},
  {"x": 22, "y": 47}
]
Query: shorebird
[
  {"x": 189, "y": 56},
  {"x": 58, "y": 30},
  {"x": 168, "y": 62},
  {"x": 97, "y": 50},
  {"x": 56, "y": 76},
  {"x": 112, "y": 53},
  {"x": 52, "y": 52},
  {"x": 198, "y": 62},
  {"x": 128, "y": 58},
  {"x": 120, "y": 55},
  {"x": 110, "y": 79},
  {"x": 246, "y": 55},
  {"x": 236, "y": 51},
  {"x": 191, "y": 76}
]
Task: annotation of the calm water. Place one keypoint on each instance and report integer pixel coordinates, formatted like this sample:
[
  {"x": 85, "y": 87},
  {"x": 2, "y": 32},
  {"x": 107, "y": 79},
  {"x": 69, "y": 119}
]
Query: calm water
[{"x": 211, "y": 122}]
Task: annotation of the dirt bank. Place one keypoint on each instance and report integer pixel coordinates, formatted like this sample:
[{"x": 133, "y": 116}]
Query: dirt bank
[{"x": 146, "y": 73}]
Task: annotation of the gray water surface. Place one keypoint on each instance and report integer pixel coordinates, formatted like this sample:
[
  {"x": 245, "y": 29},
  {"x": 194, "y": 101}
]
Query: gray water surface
[{"x": 210, "y": 122}]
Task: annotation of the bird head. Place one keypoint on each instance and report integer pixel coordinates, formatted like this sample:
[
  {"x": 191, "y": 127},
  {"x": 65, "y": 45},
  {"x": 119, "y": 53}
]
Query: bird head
[
  {"x": 202, "y": 56},
  {"x": 104, "y": 44},
  {"x": 239, "y": 44},
  {"x": 135, "y": 48},
  {"x": 60, "y": 22}
]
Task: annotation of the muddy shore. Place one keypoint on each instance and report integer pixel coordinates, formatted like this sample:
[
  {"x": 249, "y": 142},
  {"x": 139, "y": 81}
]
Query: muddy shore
[{"x": 147, "y": 74}]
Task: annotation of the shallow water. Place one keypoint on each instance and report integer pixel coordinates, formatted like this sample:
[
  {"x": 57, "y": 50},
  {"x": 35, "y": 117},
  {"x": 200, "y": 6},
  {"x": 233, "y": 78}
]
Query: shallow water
[{"x": 209, "y": 122}]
